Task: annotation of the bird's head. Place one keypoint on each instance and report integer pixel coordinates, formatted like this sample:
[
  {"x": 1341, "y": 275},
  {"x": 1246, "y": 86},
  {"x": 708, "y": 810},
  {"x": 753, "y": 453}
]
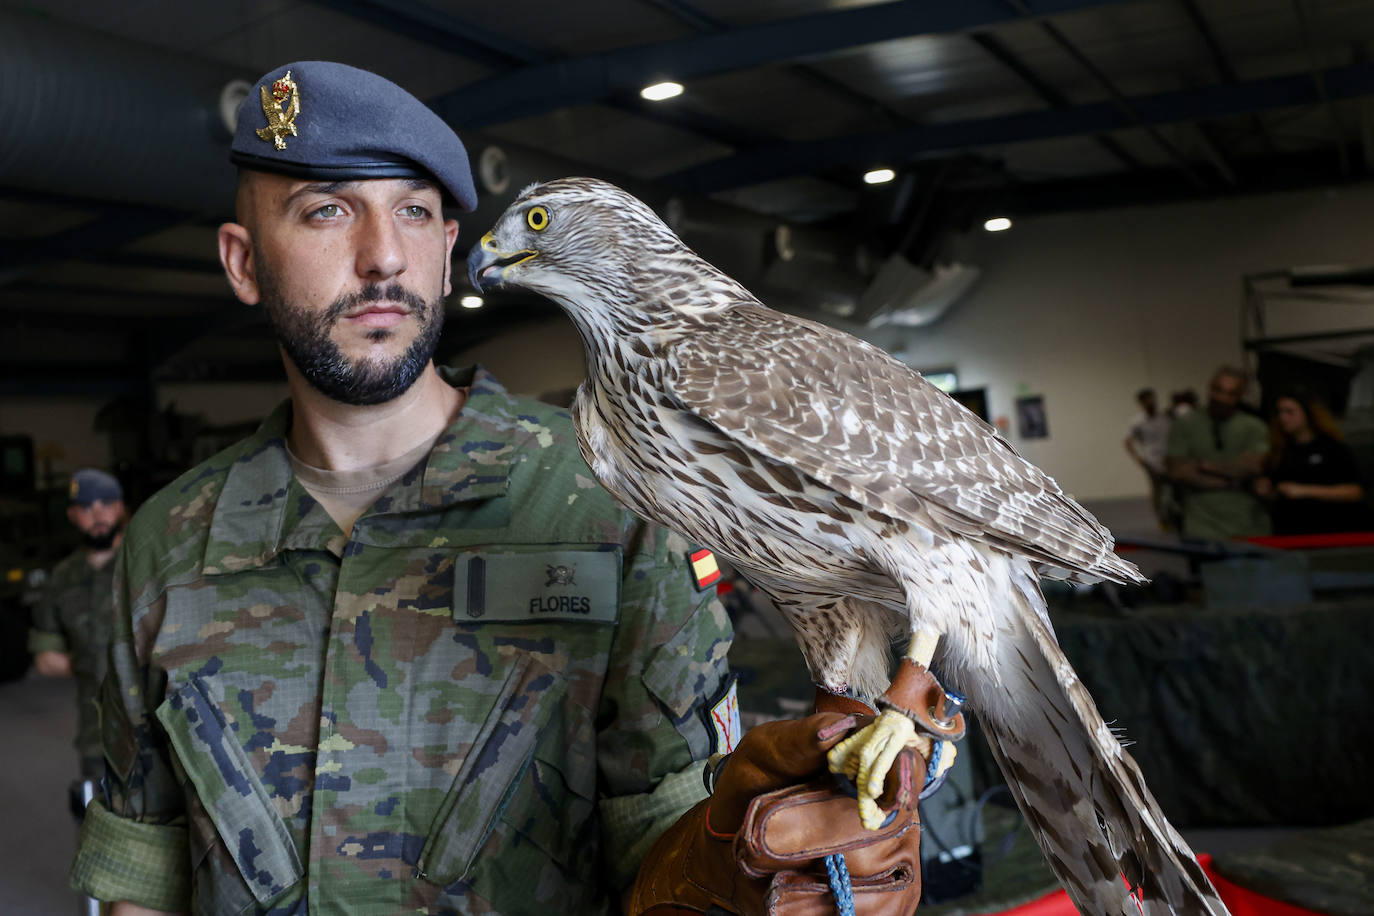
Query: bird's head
[
  {"x": 622, "y": 276},
  {"x": 596, "y": 250}
]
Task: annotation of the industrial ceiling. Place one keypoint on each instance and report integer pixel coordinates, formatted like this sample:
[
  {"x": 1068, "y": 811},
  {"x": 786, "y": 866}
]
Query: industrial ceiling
[{"x": 113, "y": 173}]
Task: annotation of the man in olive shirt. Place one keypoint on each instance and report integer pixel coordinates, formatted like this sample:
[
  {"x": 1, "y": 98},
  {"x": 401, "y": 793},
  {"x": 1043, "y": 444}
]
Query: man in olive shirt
[
  {"x": 71, "y": 626},
  {"x": 1213, "y": 458}
]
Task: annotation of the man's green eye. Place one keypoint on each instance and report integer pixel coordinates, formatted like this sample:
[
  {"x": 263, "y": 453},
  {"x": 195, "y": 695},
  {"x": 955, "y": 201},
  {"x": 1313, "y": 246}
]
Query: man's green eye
[{"x": 328, "y": 211}]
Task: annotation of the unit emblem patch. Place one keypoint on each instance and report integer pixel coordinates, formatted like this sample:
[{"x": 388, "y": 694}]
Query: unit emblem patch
[
  {"x": 561, "y": 575},
  {"x": 722, "y": 718}
]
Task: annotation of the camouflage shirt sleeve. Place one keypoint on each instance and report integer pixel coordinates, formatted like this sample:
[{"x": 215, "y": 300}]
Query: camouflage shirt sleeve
[
  {"x": 668, "y": 662},
  {"x": 46, "y": 633},
  {"x": 133, "y": 843}
]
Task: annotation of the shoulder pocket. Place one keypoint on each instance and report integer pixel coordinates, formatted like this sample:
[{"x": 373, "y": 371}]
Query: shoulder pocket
[
  {"x": 681, "y": 680},
  {"x": 509, "y": 585},
  {"x": 228, "y": 787},
  {"x": 489, "y": 775}
]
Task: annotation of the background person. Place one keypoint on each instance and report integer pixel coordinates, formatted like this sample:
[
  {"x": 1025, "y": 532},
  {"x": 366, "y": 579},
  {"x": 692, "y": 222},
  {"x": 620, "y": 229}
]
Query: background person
[
  {"x": 73, "y": 617},
  {"x": 1147, "y": 441},
  {"x": 1182, "y": 403},
  {"x": 1213, "y": 456},
  {"x": 1311, "y": 480}
]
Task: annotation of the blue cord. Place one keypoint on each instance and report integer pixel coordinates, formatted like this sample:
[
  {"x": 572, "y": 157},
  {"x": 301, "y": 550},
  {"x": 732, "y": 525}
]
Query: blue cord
[
  {"x": 936, "y": 754},
  {"x": 838, "y": 870}
]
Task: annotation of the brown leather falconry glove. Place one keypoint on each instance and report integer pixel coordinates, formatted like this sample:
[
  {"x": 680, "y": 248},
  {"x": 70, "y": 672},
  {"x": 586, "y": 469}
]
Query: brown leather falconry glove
[{"x": 759, "y": 843}]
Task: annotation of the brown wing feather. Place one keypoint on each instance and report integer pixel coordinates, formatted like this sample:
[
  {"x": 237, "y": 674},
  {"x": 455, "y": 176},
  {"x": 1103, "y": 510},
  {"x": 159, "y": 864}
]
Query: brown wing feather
[{"x": 854, "y": 418}]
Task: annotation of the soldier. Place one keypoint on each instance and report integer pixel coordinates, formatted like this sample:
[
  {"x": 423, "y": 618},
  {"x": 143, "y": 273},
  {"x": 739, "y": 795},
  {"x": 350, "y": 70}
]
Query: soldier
[
  {"x": 397, "y": 651},
  {"x": 71, "y": 625}
]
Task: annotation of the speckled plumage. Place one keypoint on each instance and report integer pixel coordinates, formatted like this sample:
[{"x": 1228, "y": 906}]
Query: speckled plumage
[{"x": 862, "y": 499}]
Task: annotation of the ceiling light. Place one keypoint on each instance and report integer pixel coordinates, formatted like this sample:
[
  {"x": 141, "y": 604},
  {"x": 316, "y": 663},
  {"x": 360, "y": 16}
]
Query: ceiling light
[
  {"x": 878, "y": 176},
  {"x": 471, "y": 302},
  {"x": 660, "y": 91},
  {"x": 997, "y": 224}
]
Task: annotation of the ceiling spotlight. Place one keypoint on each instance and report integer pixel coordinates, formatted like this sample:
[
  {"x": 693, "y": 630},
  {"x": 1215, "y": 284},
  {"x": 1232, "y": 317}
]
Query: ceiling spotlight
[
  {"x": 879, "y": 176},
  {"x": 660, "y": 91},
  {"x": 997, "y": 224},
  {"x": 471, "y": 302}
]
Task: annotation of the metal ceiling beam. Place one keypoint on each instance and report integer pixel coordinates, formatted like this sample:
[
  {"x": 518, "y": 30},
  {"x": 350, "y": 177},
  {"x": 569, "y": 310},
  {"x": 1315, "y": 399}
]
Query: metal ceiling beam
[
  {"x": 1209, "y": 38},
  {"x": 1223, "y": 63},
  {"x": 1052, "y": 96},
  {"x": 1319, "y": 81},
  {"x": 168, "y": 306},
  {"x": 449, "y": 33},
  {"x": 539, "y": 88},
  {"x": 1288, "y": 172},
  {"x": 906, "y": 145},
  {"x": 109, "y": 231},
  {"x": 152, "y": 260},
  {"x": 688, "y": 14},
  {"x": 425, "y": 24},
  {"x": 1117, "y": 97}
]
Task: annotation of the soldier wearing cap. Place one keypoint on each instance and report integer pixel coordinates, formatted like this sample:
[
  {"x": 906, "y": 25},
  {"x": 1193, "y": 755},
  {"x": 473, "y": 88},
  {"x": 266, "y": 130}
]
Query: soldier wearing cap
[
  {"x": 71, "y": 625},
  {"x": 396, "y": 651}
]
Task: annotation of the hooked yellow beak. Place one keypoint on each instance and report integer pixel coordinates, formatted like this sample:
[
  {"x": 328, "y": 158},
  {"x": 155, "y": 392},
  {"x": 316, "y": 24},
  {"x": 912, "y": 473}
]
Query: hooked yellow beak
[{"x": 487, "y": 263}]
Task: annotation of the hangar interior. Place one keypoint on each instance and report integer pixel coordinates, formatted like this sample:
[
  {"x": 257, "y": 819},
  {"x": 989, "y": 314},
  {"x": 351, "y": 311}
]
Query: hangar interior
[{"x": 1180, "y": 185}]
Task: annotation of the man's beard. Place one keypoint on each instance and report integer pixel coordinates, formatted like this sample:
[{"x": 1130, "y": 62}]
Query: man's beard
[
  {"x": 102, "y": 541},
  {"x": 305, "y": 338}
]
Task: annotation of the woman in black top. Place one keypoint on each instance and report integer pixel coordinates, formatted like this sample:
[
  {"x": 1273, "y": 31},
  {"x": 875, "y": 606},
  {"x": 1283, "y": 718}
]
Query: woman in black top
[{"x": 1312, "y": 482}]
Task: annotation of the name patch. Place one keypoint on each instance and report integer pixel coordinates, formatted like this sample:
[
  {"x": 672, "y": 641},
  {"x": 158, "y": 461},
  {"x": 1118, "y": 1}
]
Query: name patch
[{"x": 562, "y": 585}]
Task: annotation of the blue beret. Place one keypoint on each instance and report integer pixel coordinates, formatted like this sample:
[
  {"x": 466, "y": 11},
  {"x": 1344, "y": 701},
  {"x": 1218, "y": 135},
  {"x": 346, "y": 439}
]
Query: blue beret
[
  {"x": 331, "y": 122},
  {"x": 89, "y": 485}
]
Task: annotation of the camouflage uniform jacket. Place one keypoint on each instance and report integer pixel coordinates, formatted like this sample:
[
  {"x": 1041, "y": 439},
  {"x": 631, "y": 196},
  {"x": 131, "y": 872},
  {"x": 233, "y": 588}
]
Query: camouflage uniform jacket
[
  {"x": 73, "y": 615},
  {"x": 488, "y": 699}
]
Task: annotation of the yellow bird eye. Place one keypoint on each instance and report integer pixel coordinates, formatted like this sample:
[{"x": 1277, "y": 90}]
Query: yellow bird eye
[{"x": 538, "y": 218}]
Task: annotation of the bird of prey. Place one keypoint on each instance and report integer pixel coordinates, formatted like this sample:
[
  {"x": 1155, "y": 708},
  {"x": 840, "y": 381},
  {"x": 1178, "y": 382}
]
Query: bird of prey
[{"x": 865, "y": 502}]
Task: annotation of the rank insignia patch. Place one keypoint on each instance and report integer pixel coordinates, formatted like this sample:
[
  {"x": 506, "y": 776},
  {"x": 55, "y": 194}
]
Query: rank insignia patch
[
  {"x": 705, "y": 571},
  {"x": 722, "y": 718}
]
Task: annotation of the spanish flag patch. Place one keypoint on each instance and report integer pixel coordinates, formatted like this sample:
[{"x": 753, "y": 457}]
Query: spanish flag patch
[{"x": 705, "y": 571}]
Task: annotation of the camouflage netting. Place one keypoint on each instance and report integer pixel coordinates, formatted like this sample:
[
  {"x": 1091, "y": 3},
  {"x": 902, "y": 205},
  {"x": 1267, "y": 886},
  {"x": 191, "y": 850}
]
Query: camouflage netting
[
  {"x": 1238, "y": 718},
  {"x": 1327, "y": 870}
]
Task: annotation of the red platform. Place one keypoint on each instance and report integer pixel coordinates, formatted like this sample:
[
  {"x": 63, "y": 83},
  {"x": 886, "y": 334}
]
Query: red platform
[{"x": 1238, "y": 900}]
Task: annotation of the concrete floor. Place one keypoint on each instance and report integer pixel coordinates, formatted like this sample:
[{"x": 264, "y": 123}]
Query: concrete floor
[{"x": 37, "y": 720}]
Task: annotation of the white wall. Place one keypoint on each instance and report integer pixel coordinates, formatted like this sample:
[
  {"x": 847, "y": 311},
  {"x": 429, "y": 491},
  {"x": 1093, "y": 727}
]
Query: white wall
[{"x": 1087, "y": 308}]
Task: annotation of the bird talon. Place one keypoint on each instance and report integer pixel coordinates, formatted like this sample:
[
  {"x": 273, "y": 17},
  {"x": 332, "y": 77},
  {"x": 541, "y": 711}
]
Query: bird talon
[
  {"x": 866, "y": 757},
  {"x": 870, "y": 815}
]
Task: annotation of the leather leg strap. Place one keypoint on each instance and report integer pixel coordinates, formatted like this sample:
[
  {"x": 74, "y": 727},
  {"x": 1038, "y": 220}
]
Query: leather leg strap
[{"x": 918, "y": 695}]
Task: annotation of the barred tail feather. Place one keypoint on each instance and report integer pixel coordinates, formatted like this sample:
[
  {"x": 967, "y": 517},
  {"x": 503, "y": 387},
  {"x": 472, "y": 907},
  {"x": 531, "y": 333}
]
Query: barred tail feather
[{"x": 1080, "y": 792}]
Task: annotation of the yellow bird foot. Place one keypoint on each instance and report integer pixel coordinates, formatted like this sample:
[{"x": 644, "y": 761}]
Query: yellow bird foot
[{"x": 868, "y": 754}]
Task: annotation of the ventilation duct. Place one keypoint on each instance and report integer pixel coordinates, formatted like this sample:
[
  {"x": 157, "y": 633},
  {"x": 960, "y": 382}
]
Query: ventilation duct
[
  {"x": 93, "y": 116},
  {"x": 905, "y": 295}
]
